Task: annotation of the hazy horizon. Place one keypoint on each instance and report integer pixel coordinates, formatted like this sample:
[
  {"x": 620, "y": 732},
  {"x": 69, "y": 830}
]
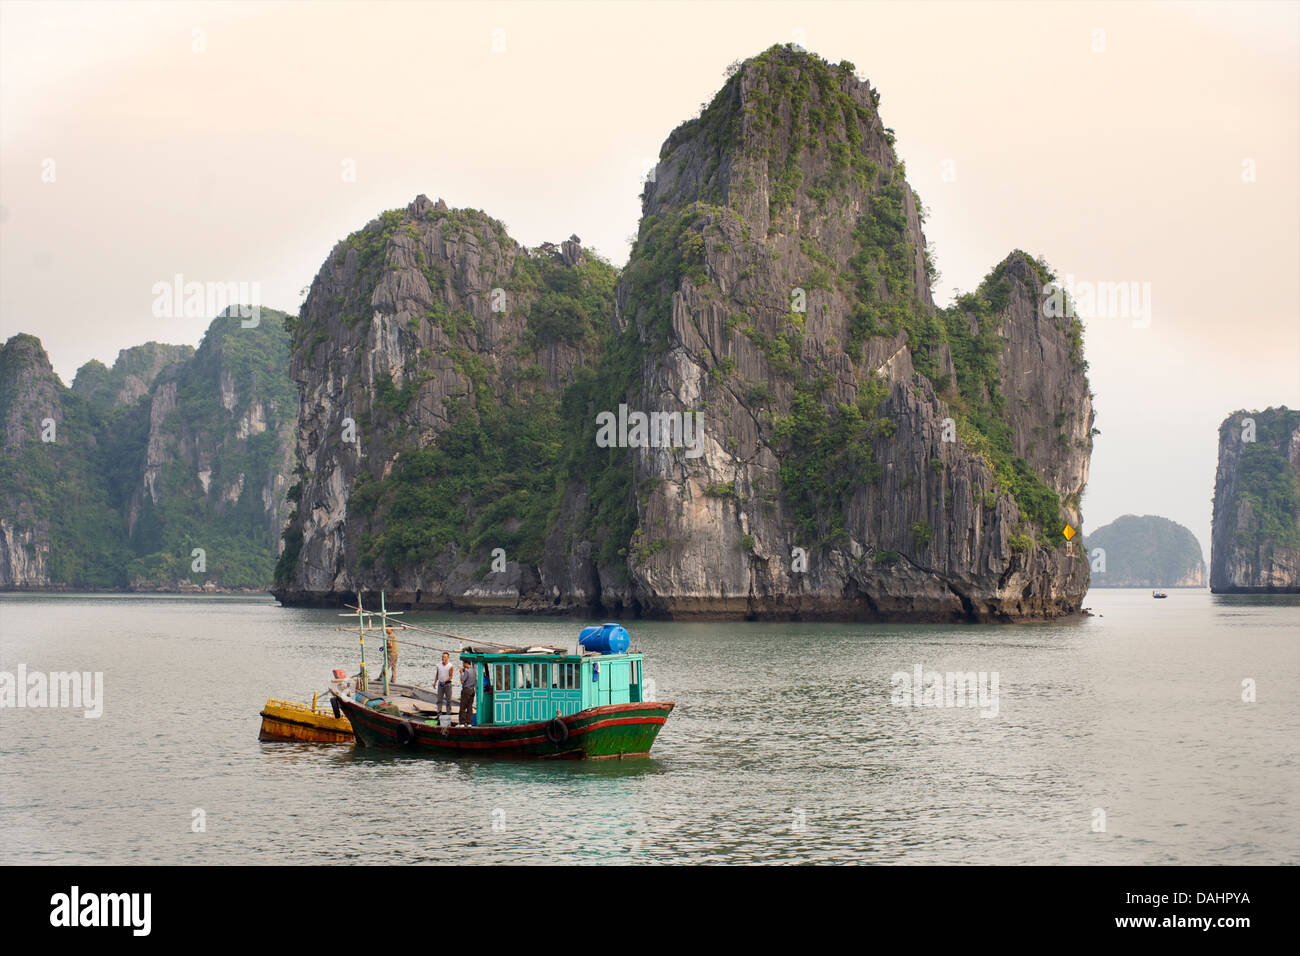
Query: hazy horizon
[{"x": 141, "y": 141}]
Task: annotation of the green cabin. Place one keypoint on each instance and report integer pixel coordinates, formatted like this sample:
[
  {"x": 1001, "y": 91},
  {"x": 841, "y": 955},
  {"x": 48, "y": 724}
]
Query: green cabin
[{"x": 537, "y": 684}]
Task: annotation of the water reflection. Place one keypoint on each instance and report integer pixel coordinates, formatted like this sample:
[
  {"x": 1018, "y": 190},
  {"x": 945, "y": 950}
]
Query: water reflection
[{"x": 784, "y": 746}]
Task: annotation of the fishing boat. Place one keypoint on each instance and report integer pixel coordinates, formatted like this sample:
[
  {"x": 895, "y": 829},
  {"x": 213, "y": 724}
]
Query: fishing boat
[
  {"x": 585, "y": 701},
  {"x": 1159, "y": 594}
]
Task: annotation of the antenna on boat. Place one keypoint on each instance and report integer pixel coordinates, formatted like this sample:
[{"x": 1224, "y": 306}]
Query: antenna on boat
[
  {"x": 361, "y": 633},
  {"x": 383, "y": 622},
  {"x": 364, "y": 619},
  {"x": 361, "y": 615},
  {"x": 383, "y": 619}
]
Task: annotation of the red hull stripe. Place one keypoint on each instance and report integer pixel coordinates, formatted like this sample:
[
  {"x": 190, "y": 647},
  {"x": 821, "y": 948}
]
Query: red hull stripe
[{"x": 424, "y": 735}]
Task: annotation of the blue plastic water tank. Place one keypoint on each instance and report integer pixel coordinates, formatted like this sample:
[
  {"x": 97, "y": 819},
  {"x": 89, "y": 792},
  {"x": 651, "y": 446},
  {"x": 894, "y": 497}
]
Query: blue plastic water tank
[{"x": 605, "y": 639}]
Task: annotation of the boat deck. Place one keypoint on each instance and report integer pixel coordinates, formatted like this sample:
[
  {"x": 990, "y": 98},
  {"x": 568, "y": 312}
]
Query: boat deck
[{"x": 410, "y": 700}]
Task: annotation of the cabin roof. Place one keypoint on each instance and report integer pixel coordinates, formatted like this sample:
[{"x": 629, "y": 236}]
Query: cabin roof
[{"x": 536, "y": 652}]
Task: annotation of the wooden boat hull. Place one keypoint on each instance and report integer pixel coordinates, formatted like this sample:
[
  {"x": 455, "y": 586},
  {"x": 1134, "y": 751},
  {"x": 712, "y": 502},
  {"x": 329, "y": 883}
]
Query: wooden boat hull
[
  {"x": 287, "y": 720},
  {"x": 613, "y": 731}
]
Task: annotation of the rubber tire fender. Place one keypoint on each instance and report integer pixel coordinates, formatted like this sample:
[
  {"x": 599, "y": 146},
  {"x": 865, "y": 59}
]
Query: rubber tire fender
[
  {"x": 338, "y": 711},
  {"x": 557, "y": 731},
  {"x": 405, "y": 733}
]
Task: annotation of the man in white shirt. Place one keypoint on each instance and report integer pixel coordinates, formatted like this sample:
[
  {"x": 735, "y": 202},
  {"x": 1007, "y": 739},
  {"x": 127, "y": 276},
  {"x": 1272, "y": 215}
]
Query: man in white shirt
[{"x": 445, "y": 670}]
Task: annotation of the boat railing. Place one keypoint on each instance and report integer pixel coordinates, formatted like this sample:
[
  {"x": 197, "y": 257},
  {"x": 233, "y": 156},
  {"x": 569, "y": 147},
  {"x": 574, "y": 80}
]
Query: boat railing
[{"x": 297, "y": 705}]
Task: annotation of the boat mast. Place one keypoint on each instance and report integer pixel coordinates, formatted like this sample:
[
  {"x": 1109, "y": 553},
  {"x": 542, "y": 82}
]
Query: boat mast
[
  {"x": 364, "y": 619},
  {"x": 361, "y": 633},
  {"x": 383, "y": 636},
  {"x": 361, "y": 616},
  {"x": 383, "y": 625}
]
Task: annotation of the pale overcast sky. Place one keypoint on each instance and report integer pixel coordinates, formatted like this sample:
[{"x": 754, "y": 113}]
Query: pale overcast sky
[{"x": 1127, "y": 142}]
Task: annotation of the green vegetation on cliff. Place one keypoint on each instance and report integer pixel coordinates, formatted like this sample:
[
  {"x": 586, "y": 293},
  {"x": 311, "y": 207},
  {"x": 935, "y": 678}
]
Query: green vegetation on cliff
[
  {"x": 1266, "y": 479},
  {"x": 58, "y": 489},
  {"x": 575, "y": 304},
  {"x": 826, "y": 454},
  {"x": 494, "y": 478},
  {"x": 980, "y": 405},
  {"x": 668, "y": 249},
  {"x": 82, "y": 491},
  {"x": 797, "y": 107},
  {"x": 233, "y": 370},
  {"x": 370, "y": 250}
]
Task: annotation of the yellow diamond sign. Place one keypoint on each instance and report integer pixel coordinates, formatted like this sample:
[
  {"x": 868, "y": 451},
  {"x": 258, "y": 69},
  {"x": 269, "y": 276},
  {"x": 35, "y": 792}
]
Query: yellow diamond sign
[{"x": 1069, "y": 532}]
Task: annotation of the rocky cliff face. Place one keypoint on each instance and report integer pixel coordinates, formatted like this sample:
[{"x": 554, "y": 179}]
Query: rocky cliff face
[
  {"x": 431, "y": 355},
  {"x": 800, "y": 325},
  {"x": 859, "y": 453},
  {"x": 115, "y": 482},
  {"x": 1255, "y": 539},
  {"x": 217, "y": 453},
  {"x": 132, "y": 375},
  {"x": 31, "y": 400},
  {"x": 1145, "y": 551}
]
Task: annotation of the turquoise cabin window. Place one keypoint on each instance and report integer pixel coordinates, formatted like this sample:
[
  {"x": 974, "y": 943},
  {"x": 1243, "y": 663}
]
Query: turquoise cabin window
[{"x": 534, "y": 688}]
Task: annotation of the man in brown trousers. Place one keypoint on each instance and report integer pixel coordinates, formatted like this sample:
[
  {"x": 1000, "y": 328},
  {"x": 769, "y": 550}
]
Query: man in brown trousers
[
  {"x": 468, "y": 687},
  {"x": 392, "y": 656}
]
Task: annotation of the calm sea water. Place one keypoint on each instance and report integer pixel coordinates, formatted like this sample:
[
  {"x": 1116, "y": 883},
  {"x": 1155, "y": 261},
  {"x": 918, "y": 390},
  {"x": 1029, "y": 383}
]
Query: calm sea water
[{"x": 784, "y": 747}]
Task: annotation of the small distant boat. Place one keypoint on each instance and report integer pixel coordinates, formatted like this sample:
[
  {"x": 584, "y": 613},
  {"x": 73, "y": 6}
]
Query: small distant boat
[{"x": 1159, "y": 594}]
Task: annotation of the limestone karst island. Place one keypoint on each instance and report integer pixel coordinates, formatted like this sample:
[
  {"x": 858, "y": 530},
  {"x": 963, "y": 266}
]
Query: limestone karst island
[{"x": 811, "y": 437}]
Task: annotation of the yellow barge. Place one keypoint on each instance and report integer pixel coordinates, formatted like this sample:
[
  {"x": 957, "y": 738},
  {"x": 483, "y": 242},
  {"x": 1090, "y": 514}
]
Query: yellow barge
[{"x": 290, "y": 720}]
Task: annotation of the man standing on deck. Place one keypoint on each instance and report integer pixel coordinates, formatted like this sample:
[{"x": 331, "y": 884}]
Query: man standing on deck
[
  {"x": 391, "y": 649},
  {"x": 468, "y": 685},
  {"x": 445, "y": 670}
]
